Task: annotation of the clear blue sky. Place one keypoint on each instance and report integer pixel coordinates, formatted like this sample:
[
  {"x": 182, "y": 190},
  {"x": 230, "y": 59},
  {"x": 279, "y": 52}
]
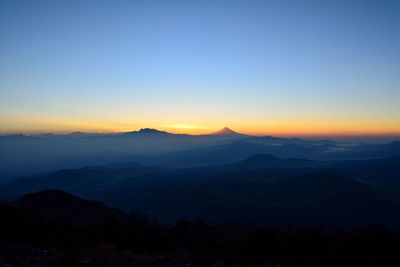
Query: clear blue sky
[{"x": 298, "y": 67}]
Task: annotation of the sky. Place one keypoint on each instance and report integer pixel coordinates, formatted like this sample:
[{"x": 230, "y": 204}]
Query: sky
[{"x": 260, "y": 67}]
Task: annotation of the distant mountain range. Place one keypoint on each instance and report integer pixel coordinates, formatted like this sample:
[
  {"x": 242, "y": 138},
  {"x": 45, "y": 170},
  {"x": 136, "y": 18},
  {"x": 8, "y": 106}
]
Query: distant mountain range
[
  {"x": 22, "y": 155},
  {"x": 143, "y": 131}
]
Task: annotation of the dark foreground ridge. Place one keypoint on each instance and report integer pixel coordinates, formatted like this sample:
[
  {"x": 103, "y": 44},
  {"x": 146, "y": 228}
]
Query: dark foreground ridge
[
  {"x": 31, "y": 235},
  {"x": 60, "y": 206},
  {"x": 262, "y": 189}
]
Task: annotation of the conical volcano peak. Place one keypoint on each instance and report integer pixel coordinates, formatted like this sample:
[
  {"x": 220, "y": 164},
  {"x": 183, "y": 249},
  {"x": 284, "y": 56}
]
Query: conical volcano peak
[{"x": 226, "y": 131}]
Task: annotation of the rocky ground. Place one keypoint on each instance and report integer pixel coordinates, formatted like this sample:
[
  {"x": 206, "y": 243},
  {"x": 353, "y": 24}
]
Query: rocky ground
[{"x": 101, "y": 255}]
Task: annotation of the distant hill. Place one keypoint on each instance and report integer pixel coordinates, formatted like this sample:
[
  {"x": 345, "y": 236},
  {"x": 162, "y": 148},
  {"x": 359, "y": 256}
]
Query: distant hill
[
  {"x": 15, "y": 137},
  {"x": 60, "y": 206},
  {"x": 234, "y": 151}
]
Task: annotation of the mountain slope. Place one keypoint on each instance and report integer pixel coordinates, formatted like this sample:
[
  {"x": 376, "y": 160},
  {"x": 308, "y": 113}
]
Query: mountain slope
[
  {"x": 385, "y": 171},
  {"x": 60, "y": 206},
  {"x": 86, "y": 181},
  {"x": 309, "y": 199}
]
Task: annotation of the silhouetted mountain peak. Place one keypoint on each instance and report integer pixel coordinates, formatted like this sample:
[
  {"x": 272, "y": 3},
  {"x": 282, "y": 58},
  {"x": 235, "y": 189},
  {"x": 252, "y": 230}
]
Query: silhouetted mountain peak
[
  {"x": 48, "y": 193},
  {"x": 148, "y": 131},
  {"x": 226, "y": 131}
]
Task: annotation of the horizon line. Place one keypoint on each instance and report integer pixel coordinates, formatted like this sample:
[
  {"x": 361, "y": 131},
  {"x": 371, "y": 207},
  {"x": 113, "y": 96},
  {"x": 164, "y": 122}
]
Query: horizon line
[{"x": 259, "y": 134}]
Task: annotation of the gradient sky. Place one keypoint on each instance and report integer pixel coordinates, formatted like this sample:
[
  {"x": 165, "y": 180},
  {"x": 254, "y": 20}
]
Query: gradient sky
[{"x": 266, "y": 67}]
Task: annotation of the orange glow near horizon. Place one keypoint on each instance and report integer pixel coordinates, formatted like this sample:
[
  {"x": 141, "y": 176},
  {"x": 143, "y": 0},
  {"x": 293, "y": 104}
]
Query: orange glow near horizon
[
  {"x": 277, "y": 127},
  {"x": 198, "y": 68}
]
